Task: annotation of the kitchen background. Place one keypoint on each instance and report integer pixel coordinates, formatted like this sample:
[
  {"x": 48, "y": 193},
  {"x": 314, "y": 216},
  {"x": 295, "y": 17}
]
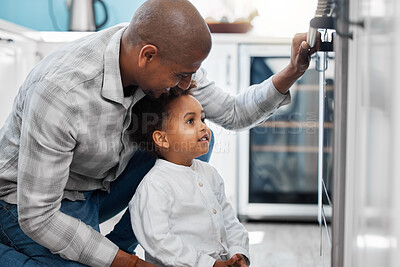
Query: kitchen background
[
  {"x": 276, "y": 18},
  {"x": 273, "y": 173}
]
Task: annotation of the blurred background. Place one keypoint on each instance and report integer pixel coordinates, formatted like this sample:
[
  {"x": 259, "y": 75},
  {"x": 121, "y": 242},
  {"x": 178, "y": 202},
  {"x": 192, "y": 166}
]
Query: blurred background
[{"x": 276, "y": 18}]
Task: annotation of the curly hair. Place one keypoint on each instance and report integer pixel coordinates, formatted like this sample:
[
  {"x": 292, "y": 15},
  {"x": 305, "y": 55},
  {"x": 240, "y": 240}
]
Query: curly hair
[{"x": 150, "y": 114}]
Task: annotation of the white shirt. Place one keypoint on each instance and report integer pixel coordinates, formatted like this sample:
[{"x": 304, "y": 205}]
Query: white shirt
[{"x": 181, "y": 216}]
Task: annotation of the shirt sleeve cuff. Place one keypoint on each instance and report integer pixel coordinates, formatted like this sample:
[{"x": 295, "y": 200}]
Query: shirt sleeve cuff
[
  {"x": 271, "y": 96},
  {"x": 90, "y": 247}
]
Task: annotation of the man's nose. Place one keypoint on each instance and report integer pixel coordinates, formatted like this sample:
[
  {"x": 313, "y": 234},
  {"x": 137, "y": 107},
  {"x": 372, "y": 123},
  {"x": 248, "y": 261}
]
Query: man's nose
[{"x": 185, "y": 82}]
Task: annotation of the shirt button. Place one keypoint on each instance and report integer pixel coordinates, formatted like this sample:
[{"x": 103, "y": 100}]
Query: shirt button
[
  {"x": 214, "y": 211},
  {"x": 200, "y": 184}
]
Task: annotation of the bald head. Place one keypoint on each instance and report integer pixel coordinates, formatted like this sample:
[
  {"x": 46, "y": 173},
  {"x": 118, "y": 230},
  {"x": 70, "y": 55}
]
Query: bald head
[{"x": 175, "y": 27}]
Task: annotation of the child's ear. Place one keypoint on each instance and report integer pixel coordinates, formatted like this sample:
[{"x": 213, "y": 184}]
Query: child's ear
[{"x": 160, "y": 139}]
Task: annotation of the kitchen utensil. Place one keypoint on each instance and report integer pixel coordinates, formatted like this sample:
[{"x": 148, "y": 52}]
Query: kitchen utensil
[{"x": 82, "y": 15}]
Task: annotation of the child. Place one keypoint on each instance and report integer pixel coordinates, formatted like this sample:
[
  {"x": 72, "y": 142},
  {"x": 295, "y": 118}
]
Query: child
[{"x": 179, "y": 213}]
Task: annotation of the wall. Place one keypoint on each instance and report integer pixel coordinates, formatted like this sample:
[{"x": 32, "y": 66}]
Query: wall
[
  {"x": 36, "y": 14},
  {"x": 281, "y": 18}
]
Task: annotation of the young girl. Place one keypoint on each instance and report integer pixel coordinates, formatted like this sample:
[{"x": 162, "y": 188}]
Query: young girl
[{"x": 179, "y": 213}]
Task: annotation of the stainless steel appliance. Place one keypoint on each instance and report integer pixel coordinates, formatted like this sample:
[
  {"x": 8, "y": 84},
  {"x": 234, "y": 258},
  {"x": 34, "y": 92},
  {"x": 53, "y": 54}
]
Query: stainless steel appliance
[
  {"x": 82, "y": 15},
  {"x": 278, "y": 159}
]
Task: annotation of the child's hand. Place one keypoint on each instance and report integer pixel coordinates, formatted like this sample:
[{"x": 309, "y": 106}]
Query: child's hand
[
  {"x": 240, "y": 261},
  {"x": 227, "y": 263},
  {"x": 237, "y": 260}
]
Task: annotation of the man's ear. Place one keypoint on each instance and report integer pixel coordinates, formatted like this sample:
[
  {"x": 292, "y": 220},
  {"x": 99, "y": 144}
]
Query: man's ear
[
  {"x": 160, "y": 139},
  {"x": 147, "y": 54}
]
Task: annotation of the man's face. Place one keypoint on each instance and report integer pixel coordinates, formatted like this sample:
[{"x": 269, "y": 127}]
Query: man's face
[{"x": 161, "y": 75}]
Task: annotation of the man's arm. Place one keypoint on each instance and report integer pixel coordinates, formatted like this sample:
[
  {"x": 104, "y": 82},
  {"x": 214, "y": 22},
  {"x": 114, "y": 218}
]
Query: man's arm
[
  {"x": 299, "y": 62},
  {"x": 48, "y": 139},
  {"x": 259, "y": 101}
]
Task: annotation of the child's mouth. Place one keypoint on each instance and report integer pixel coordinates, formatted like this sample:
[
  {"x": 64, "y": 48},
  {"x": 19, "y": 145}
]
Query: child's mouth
[{"x": 205, "y": 138}]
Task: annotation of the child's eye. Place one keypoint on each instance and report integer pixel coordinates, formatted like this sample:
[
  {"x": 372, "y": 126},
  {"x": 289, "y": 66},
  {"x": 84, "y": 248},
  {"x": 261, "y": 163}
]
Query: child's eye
[{"x": 190, "y": 121}]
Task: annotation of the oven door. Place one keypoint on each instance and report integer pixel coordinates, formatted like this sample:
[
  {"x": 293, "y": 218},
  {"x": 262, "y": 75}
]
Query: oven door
[{"x": 278, "y": 159}]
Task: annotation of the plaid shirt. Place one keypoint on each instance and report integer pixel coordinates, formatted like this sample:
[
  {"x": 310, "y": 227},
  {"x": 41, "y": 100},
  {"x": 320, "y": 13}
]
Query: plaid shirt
[{"x": 68, "y": 133}]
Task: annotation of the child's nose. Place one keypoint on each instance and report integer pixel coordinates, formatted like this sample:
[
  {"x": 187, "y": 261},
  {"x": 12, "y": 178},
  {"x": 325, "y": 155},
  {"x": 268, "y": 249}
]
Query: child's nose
[{"x": 203, "y": 126}]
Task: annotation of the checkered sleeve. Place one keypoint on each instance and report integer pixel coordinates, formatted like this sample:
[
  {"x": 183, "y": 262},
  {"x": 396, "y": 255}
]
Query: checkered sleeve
[{"x": 48, "y": 138}]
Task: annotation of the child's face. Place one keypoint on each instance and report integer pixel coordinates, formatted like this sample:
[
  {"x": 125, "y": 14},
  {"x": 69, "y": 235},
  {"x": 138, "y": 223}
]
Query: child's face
[{"x": 187, "y": 134}]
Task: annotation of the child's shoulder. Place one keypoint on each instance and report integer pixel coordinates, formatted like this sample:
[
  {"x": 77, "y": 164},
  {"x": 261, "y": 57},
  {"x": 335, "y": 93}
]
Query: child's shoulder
[
  {"x": 157, "y": 172},
  {"x": 155, "y": 178}
]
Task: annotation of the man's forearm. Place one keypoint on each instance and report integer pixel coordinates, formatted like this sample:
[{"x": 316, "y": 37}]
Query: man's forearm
[
  {"x": 284, "y": 79},
  {"x": 122, "y": 259}
]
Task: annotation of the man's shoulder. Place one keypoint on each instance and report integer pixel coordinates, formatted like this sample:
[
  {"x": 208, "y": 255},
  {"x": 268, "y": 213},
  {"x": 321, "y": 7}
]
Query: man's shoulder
[{"x": 78, "y": 61}]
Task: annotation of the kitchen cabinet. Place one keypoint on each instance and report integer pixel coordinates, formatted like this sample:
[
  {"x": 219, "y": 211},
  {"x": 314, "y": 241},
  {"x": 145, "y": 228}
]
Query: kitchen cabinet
[
  {"x": 222, "y": 68},
  {"x": 17, "y": 58}
]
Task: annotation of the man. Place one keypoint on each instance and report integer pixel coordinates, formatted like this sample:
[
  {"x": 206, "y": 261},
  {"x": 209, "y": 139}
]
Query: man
[{"x": 67, "y": 160}]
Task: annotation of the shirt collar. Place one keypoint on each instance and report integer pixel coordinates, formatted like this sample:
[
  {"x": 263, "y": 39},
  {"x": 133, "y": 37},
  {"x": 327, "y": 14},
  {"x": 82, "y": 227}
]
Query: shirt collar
[
  {"x": 176, "y": 167},
  {"x": 112, "y": 84}
]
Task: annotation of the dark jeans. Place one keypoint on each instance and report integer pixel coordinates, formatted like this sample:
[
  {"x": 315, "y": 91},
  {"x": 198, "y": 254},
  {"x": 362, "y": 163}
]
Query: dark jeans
[{"x": 17, "y": 249}]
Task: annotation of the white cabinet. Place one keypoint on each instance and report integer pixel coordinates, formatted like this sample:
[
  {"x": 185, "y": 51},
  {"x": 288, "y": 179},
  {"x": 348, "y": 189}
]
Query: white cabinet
[
  {"x": 222, "y": 68},
  {"x": 17, "y": 58}
]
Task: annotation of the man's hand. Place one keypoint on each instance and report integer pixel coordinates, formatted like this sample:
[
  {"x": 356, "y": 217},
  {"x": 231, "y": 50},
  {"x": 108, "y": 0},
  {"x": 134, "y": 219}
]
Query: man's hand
[
  {"x": 299, "y": 62},
  {"x": 123, "y": 259},
  {"x": 301, "y": 52}
]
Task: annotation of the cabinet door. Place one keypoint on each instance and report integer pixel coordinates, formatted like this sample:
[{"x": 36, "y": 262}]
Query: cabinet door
[
  {"x": 8, "y": 70},
  {"x": 17, "y": 57},
  {"x": 221, "y": 66}
]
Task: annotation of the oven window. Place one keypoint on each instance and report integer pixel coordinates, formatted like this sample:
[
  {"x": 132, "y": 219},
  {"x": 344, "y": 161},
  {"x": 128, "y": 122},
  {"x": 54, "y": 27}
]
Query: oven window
[{"x": 284, "y": 149}]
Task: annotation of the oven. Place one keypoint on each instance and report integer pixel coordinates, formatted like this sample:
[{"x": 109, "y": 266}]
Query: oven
[{"x": 278, "y": 159}]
